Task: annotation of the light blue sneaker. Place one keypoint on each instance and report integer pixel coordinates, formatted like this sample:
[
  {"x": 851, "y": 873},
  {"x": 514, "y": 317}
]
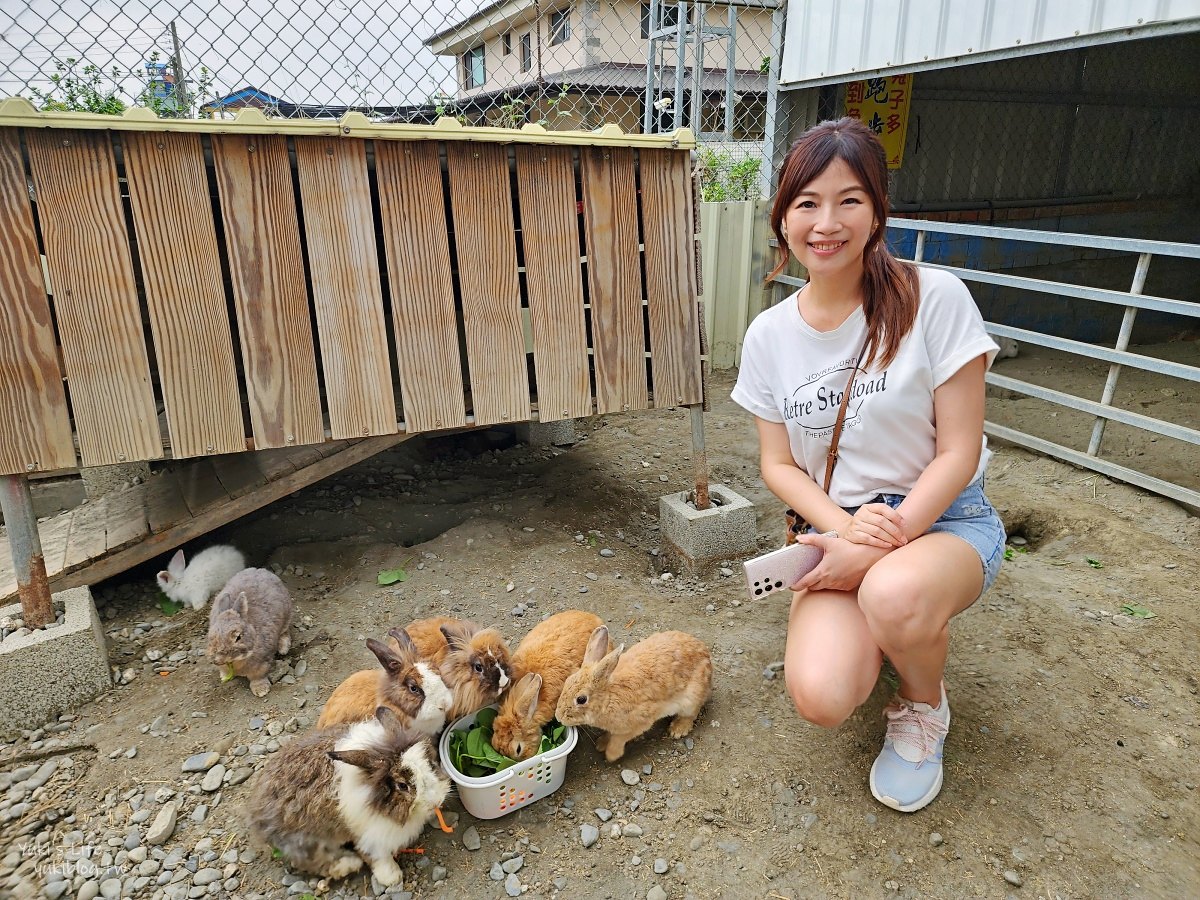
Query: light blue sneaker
[{"x": 907, "y": 774}]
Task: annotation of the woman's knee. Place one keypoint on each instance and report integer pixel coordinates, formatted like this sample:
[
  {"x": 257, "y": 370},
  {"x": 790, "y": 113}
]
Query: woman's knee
[
  {"x": 818, "y": 701},
  {"x": 892, "y": 602}
]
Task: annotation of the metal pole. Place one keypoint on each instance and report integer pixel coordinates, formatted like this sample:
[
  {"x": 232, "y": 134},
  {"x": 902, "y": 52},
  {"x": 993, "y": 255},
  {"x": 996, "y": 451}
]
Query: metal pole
[
  {"x": 775, "y": 132},
  {"x": 182, "y": 107},
  {"x": 699, "y": 456},
  {"x": 730, "y": 69},
  {"x": 30, "y": 565},
  {"x": 919, "y": 253},
  {"x": 698, "y": 72},
  {"x": 649, "y": 110},
  {"x": 1114, "y": 371},
  {"x": 681, "y": 10}
]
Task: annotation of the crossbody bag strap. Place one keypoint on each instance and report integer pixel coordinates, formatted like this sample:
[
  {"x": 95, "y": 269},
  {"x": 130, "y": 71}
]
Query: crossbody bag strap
[{"x": 832, "y": 457}]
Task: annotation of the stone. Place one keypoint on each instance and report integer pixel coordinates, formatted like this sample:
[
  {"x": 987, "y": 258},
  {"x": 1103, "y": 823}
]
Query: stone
[
  {"x": 1011, "y": 876},
  {"x": 212, "y": 778},
  {"x": 201, "y": 762},
  {"x": 164, "y": 825},
  {"x": 630, "y": 777},
  {"x": 656, "y": 893},
  {"x": 696, "y": 540},
  {"x": 588, "y": 835},
  {"x": 470, "y": 838}
]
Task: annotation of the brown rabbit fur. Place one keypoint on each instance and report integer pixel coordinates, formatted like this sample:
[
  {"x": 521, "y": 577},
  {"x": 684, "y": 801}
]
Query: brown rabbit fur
[
  {"x": 407, "y": 685},
  {"x": 552, "y": 650},
  {"x": 475, "y": 663},
  {"x": 373, "y": 784},
  {"x": 250, "y": 621},
  {"x": 625, "y": 692}
]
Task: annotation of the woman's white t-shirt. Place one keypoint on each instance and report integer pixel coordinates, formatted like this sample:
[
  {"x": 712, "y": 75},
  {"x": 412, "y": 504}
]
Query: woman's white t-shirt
[{"x": 795, "y": 375}]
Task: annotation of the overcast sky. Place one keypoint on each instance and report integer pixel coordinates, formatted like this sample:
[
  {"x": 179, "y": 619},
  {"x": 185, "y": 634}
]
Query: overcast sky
[{"x": 316, "y": 51}]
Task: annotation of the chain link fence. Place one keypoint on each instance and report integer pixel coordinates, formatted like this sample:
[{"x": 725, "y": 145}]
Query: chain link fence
[{"x": 645, "y": 66}]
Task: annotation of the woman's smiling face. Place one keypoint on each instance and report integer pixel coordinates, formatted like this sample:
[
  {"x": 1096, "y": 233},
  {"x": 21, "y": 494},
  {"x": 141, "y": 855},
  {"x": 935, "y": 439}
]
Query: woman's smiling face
[{"x": 830, "y": 221}]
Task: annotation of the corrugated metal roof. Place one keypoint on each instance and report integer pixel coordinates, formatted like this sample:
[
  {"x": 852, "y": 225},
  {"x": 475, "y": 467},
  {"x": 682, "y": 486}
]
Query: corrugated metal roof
[{"x": 844, "y": 39}]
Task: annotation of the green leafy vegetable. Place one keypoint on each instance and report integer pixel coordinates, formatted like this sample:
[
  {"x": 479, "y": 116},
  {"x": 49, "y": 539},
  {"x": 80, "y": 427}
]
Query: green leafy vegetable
[
  {"x": 1095, "y": 563},
  {"x": 169, "y": 606},
  {"x": 392, "y": 576},
  {"x": 1138, "y": 612},
  {"x": 472, "y": 753}
]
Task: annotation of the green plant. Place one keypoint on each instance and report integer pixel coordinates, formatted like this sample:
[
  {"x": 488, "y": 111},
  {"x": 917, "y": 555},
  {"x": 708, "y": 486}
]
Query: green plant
[
  {"x": 764, "y": 67},
  {"x": 1095, "y": 563},
  {"x": 81, "y": 87},
  {"x": 722, "y": 179},
  {"x": 472, "y": 753},
  {"x": 393, "y": 576}
]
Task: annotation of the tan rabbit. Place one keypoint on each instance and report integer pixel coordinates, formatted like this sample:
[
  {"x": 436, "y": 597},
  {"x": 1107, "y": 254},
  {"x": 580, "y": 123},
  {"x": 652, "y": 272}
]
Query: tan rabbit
[
  {"x": 625, "y": 692},
  {"x": 551, "y": 651},
  {"x": 474, "y": 663},
  {"x": 248, "y": 624},
  {"x": 407, "y": 685}
]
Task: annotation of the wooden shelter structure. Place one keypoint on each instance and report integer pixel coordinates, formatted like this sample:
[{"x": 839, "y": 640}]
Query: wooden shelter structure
[{"x": 313, "y": 291}]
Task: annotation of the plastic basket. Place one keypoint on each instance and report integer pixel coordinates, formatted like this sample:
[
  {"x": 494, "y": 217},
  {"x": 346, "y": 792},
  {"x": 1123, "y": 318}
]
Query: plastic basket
[{"x": 493, "y": 796}]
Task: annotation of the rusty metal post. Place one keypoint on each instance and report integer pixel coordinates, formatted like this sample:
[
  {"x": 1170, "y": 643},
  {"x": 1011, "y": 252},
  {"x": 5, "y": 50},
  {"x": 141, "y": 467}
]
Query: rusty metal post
[
  {"x": 30, "y": 565},
  {"x": 699, "y": 456}
]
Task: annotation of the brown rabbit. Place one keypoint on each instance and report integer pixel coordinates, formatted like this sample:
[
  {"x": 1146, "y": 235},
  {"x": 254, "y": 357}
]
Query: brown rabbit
[
  {"x": 624, "y": 693},
  {"x": 474, "y": 663},
  {"x": 407, "y": 685},
  {"x": 249, "y": 623},
  {"x": 552, "y": 650},
  {"x": 373, "y": 785}
]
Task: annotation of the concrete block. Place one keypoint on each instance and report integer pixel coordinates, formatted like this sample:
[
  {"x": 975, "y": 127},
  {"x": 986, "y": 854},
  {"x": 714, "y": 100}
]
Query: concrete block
[
  {"x": 53, "y": 670},
  {"x": 560, "y": 433},
  {"x": 696, "y": 539}
]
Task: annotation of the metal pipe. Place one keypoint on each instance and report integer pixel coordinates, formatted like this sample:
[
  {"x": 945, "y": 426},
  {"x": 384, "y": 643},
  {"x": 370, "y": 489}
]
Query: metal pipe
[
  {"x": 697, "y": 113},
  {"x": 32, "y": 586},
  {"x": 699, "y": 456},
  {"x": 681, "y": 22},
  {"x": 919, "y": 252},
  {"x": 730, "y": 71},
  {"x": 1114, "y": 370},
  {"x": 649, "y": 126}
]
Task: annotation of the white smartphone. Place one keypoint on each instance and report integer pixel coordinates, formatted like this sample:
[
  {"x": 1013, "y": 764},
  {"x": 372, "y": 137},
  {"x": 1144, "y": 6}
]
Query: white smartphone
[{"x": 780, "y": 569}]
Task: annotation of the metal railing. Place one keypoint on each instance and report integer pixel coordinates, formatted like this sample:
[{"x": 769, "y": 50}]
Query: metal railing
[{"x": 1118, "y": 357}]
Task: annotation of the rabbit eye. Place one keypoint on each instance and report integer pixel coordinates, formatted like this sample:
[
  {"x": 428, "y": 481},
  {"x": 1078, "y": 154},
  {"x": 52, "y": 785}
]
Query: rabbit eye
[
  {"x": 412, "y": 687},
  {"x": 520, "y": 748},
  {"x": 478, "y": 667},
  {"x": 581, "y": 700}
]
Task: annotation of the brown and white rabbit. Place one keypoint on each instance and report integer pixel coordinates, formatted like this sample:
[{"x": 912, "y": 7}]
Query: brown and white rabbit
[
  {"x": 249, "y": 623},
  {"x": 475, "y": 663},
  {"x": 194, "y": 583},
  {"x": 551, "y": 651},
  {"x": 373, "y": 785},
  {"x": 407, "y": 685},
  {"x": 624, "y": 692}
]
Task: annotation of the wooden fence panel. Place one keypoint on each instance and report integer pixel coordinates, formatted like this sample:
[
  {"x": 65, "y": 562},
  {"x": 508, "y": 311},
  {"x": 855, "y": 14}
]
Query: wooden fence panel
[
  {"x": 614, "y": 278},
  {"x": 554, "y": 278},
  {"x": 95, "y": 295},
  {"x": 481, "y": 199},
  {"x": 262, "y": 234},
  {"x": 340, "y": 235},
  {"x": 671, "y": 277},
  {"x": 37, "y": 432},
  {"x": 418, "y": 258},
  {"x": 181, "y": 271}
]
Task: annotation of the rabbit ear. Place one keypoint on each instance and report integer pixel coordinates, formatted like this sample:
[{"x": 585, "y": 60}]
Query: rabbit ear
[
  {"x": 242, "y": 605},
  {"x": 177, "y": 565},
  {"x": 387, "y": 718},
  {"x": 363, "y": 759},
  {"x": 458, "y": 635},
  {"x": 605, "y": 667},
  {"x": 405, "y": 643},
  {"x": 597, "y": 645},
  {"x": 526, "y": 694},
  {"x": 164, "y": 579},
  {"x": 388, "y": 658}
]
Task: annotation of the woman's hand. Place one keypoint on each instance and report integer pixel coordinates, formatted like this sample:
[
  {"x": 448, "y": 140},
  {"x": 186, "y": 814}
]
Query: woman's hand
[
  {"x": 876, "y": 525},
  {"x": 842, "y": 567}
]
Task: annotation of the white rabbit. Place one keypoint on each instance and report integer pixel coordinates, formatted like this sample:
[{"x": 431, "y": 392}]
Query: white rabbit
[{"x": 195, "y": 583}]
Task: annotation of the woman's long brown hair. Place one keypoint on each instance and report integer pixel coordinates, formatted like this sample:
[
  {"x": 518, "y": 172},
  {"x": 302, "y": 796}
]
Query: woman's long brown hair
[{"x": 891, "y": 290}]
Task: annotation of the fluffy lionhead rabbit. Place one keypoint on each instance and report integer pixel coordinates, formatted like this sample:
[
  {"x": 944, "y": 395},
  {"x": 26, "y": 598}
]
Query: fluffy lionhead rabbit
[
  {"x": 474, "y": 662},
  {"x": 624, "y": 692},
  {"x": 546, "y": 656},
  {"x": 373, "y": 785},
  {"x": 249, "y": 623},
  {"x": 407, "y": 685},
  {"x": 194, "y": 583}
]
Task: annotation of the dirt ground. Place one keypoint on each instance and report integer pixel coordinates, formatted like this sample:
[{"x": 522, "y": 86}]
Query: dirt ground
[{"x": 1071, "y": 764}]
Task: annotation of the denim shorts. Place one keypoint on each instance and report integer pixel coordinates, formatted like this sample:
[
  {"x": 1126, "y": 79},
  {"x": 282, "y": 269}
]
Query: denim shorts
[{"x": 971, "y": 517}]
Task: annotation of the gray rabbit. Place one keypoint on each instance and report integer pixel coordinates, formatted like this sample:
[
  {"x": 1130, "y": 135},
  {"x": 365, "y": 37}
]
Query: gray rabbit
[{"x": 249, "y": 623}]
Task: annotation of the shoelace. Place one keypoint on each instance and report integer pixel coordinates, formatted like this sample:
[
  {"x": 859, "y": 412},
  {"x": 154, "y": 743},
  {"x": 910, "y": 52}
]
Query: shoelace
[{"x": 920, "y": 730}]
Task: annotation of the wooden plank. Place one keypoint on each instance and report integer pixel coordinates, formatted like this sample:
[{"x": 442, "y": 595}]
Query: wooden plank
[
  {"x": 481, "y": 200},
  {"x": 554, "y": 279},
  {"x": 614, "y": 278},
  {"x": 87, "y": 539},
  {"x": 181, "y": 271},
  {"x": 95, "y": 296},
  {"x": 417, "y": 243},
  {"x": 200, "y": 487},
  {"x": 238, "y": 473},
  {"x": 671, "y": 277},
  {"x": 339, "y": 231},
  {"x": 165, "y": 505},
  {"x": 125, "y": 519},
  {"x": 53, "y": 535},
  {"x": 262, "y": 235},
  {"x": 37, "y": 432}
]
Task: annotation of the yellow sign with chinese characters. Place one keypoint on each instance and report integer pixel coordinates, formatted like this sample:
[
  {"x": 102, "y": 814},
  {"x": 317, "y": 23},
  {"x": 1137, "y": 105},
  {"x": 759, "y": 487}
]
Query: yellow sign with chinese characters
[{"x": 882, "y": 105}]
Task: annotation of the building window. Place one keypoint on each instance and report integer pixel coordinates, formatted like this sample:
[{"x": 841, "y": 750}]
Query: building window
[
  {"x": 560, "y": 26},
  {"x": 506, "y": 43},
  {"x": 668, "y": 17},
  {"x": 526, "y": 53},
  {"x": 473, "y": 70}
]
